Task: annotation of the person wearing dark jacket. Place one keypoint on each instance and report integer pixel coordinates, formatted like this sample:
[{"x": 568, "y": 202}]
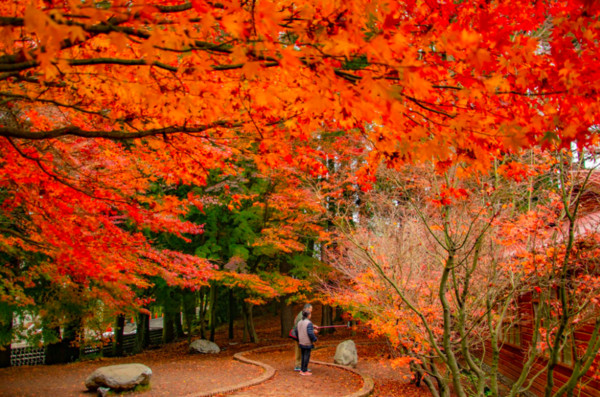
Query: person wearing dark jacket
[{"x": 306, "y": 338}]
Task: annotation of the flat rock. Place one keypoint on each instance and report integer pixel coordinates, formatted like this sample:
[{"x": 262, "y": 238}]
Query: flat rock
[
  {"x": 119, "y": 377},
  {"x": 345, "y": 354},
  {"x": 204, "y": 346}
]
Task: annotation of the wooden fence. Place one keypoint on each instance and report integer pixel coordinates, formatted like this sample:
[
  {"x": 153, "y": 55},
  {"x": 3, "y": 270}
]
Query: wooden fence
[{"x": 37, "y": 355}]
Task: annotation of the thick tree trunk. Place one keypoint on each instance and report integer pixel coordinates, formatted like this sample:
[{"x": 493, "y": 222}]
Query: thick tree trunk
[
  {"x": 119, "y": 336},
  {"x": 168, "y": 328},
  {"x": 286, "y": 317},
  {"x": 142, "y": 336},
  {"x": 6, "y": 333},
  {"x": 232, "y": 312}
]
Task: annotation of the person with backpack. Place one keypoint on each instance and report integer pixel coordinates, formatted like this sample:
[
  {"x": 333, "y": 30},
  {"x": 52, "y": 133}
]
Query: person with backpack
[
  {"x": 306, "y": 338},
  {"x": 297, "y": 353}
]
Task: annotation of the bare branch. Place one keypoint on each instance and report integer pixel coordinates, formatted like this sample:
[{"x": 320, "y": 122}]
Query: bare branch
[{"x": 114, "y": 134}]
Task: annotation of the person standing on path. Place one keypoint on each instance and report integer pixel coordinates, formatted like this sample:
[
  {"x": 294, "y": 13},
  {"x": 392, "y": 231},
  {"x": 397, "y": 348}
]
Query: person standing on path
[
  {"x": 297, "y": 354},
  {"x": 306, "y": 338}
]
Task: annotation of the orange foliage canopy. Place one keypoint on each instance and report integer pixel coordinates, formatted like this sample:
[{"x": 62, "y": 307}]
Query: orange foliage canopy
[{"x": 173, "y": 88}]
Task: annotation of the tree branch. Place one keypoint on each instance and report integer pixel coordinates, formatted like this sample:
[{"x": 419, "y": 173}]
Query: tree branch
[
  {"x": 11, "y": 21},
  {"x": 183, "y": 7},
  {"x": 53, "y": 102},
  {"x": 20, "y": 236},
  {"x": 114, "y": 134},
  {"x": 117, "y": 61},
  {"x": 175, "y": 8}
]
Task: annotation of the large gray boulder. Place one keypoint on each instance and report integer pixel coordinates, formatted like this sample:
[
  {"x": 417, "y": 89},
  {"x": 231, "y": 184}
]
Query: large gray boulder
[
  {"x": 345, "y": 354},
  {"x": 119, "y": 377},
  {"x": 204, "y": 346}
]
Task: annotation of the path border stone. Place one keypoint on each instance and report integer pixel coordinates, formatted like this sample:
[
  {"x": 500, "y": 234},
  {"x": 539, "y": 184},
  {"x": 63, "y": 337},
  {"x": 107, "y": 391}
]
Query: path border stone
[
  {"x": 366, "y": 390},
  {"x": 368, "y": 383},
  {"x": 268, "y": 374}
]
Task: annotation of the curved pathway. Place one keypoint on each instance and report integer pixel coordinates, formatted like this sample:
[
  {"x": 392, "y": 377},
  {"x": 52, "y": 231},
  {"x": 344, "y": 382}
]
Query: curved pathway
[{"x": 279, "y": 378}]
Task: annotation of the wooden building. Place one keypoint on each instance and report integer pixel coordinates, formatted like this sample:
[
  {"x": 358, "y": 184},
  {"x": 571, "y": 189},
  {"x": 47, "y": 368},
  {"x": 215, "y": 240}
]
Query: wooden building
[{"x": 517, "y": 339}]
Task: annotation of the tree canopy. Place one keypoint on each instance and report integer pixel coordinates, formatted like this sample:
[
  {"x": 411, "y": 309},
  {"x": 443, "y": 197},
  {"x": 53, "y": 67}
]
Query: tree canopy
[{"x": 106, "y": 106}]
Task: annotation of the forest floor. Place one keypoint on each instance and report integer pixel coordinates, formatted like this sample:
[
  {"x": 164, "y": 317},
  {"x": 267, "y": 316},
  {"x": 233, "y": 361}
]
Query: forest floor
[{"x": 178, "y": 373}]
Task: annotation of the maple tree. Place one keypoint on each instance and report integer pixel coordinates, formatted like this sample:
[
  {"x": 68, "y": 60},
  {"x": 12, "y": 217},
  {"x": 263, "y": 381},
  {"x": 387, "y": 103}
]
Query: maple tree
[
  {"x": 449, "y": 270},
  {"x": 419, "y": 270},
  {"x": 429, "y": 76},
  {"x": 100, "y": 101}
]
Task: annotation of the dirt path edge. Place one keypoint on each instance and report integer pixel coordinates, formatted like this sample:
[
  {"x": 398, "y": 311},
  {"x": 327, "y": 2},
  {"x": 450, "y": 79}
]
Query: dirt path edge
[
  {"x": 368, "y": 383},
  {"x": 268, "y": 374},
  {"x": 366, "y": 390}
]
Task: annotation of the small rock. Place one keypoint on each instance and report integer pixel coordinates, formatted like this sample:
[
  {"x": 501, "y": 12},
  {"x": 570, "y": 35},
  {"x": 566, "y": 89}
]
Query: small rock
[
  {"x": 119, "y": 377},
  {"x": 204, "y": 346},
  {"x": 103, "y": 391},
  {"x": 345, "y": 354}
]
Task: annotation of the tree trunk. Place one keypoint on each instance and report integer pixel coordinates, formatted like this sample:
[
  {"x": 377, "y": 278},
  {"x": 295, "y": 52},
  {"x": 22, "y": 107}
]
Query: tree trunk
[
  {"x": 202, "y": 312},
  {"x": 213, "y": 311},
  {"x": 339, "y": 312},
  {"x": 171, "y": 308},
  {"x": 142, "y": 335},
  {"x": 245, "y": 337},
  {"x": 178, "y": 325},
  {"x": 55, "y": 352},
  {"x": 119, "y": 336},
  {"x": 72, "y": 339},
  {"x": 5, "y": 356},
  {"x": 286, "y": 317},
  {"x": 232, "y": 312},
  {"x": 189, "y": 311},
  {"x": 6, "y": 333},
  {"x": 67, "y": 348},
  {"x": 168, "y": 328},
  {"x": 249, "y": 323},
  {"x": 326, "y": 319}
]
